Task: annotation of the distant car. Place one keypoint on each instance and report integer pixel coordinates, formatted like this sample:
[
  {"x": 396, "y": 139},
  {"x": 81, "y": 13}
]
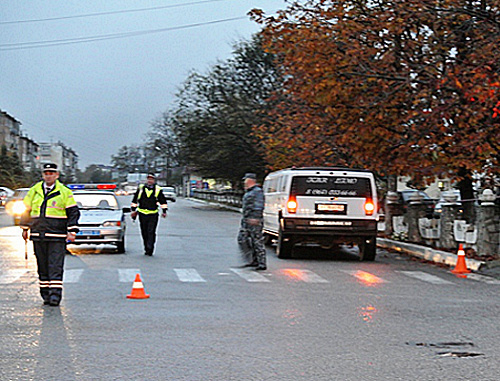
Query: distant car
[
  {"x": 102, "y": 219},
  {"x": 438, "y": 209},
  {"x": 404, "y": 199},
  {"x": 169, "y": 193},
  {"x": 15, "y": 206},
  {"x": 5, "y": 193},
  {"x": 121, "y": 192}
]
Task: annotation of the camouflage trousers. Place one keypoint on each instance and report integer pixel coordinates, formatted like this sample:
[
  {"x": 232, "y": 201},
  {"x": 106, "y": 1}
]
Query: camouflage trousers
[{"x": 251, "y": 243}]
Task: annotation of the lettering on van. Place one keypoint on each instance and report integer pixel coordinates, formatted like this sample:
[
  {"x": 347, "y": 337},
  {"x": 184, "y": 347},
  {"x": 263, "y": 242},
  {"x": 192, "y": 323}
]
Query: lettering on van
[
  {"x": 331, "y": 223},
  {"x": 317, "y": 180},
  {"x": 331, "y": 186},
  {"x": 330, "y": 192}
]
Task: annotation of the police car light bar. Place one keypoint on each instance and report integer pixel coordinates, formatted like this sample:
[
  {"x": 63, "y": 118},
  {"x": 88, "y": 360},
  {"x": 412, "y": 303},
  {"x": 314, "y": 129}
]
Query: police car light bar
[{"x": 91, "y": 186}]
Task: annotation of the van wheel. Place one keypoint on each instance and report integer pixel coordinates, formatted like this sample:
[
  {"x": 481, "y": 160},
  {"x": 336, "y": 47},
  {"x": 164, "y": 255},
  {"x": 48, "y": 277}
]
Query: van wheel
[
  {"x": 285, "y": 246},
  {"x": 368, "y": 249},
  {"x": 120, "y": 246}
]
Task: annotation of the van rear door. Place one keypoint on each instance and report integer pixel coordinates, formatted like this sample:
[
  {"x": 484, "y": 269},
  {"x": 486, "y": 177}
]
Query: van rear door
[{"x": 331, "y": 196}]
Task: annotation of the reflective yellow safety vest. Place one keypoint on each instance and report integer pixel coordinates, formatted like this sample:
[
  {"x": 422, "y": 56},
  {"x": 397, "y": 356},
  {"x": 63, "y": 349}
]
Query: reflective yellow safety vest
[
  {"x": 52, "y": 209},
  {"x": 59, "y": 198},
  {"x": 148, "y": 194}
]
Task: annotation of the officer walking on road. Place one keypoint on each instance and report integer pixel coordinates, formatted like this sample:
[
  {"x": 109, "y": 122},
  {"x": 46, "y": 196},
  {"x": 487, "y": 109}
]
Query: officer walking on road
[
  {"x": 250, "y": 238},
  {"x": 145, "y": 203},
  {"x": 51, "y": 219}
]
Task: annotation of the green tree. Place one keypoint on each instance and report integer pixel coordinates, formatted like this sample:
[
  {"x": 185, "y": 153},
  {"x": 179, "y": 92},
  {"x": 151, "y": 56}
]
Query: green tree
[
  {"x": 214, "y": 115},
  {"x": 11, "y": 170}
]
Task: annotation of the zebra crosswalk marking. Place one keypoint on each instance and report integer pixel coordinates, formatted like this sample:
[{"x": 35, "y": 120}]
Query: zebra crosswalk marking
[
  {"x": 10, "y": 276},
  {"x": 189, "y": 275},
  {"x": 303, "y": 275},
  {"x": 72, "y": 275},
  {"x": 250, "y": 276},
  {"x": 482, "y": 278},
  {"x": 425, "y": 277},
  {"x": 128, "y": 275},
  {"x": 366, "y": 277}
]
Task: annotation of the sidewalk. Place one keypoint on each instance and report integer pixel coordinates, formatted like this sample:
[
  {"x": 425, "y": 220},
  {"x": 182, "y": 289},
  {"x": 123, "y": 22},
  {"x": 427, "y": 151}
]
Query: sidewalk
[{"x": 491, "y": 268}]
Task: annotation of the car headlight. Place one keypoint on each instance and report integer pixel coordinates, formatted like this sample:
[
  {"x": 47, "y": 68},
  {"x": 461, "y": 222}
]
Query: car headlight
[
  {"x": 18, "y": 208},
  {"x": 112, "y": 223}
]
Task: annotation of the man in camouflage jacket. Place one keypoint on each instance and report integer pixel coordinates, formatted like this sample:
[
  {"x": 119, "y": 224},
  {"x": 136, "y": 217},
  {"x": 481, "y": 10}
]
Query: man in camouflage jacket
[{"x": 250, "y": 238}]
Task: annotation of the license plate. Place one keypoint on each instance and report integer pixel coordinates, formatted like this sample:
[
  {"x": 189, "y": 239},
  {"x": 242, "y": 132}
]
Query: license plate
[
  {"x": 331, "y": 208},
  {"x": 89, "y": 232}
]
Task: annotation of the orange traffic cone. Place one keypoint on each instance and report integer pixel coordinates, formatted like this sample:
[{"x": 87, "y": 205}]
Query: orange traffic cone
[
  {"x": 461, "y": 266},
  {"x": 137, "y": 289}
]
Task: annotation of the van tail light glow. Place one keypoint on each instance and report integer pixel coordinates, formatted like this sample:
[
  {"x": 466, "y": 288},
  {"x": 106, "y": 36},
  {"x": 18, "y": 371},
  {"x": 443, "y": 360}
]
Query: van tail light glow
[
  {"x": 291, "y": 205},
  {"x": 369, "y": 207}
]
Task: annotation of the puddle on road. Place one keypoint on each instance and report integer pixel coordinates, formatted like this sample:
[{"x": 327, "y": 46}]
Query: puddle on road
[{"x": 449, "y": 345}]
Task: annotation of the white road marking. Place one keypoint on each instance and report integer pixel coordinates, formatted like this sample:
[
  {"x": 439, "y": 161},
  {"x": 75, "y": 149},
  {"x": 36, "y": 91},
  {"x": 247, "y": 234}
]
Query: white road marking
[
  {"x": 10, "y": 276},
  {"x": 188, "y": 275},
  {"x": 425, "y": 277},
  {"x": 72, "y": 275},
  {"x": 128, "y": 275},
  {"x": 366, "y": 277},
  {"x": 303, "y": 276},
  {"x": 250, "y": 276},
  {"x": 483, "y": 278}
]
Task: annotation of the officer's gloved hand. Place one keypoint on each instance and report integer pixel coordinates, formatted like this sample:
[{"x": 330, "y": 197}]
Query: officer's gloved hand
[
  {"x": 133, "y": 215},
  {"x": 164, "y": 214}
]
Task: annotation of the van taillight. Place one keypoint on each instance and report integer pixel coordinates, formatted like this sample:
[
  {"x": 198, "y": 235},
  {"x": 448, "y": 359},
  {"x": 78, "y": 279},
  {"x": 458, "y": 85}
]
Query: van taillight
[
  {"x": 369, "y": 207},
  {"x": 291, "y": 205}
]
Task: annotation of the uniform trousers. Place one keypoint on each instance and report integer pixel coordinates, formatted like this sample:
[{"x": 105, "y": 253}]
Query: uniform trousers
[
  {"x": 50, "y": 260},
  {"x": 251, "y": 243},
  {"x": 148, "y": 223}
]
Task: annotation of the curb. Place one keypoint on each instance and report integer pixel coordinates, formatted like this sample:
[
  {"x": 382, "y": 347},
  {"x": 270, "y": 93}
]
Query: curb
[{"x": 428, "y": 253}]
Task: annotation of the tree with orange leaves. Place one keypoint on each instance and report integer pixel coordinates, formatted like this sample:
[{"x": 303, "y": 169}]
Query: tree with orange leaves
[{"x": 401, "y": 87}]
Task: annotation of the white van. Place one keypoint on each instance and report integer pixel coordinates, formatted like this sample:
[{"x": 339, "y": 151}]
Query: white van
[{"x": 326, "y": 206}]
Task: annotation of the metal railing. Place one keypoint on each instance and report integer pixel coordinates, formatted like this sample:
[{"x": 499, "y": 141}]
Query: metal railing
[{"x": 227, "y": 197}]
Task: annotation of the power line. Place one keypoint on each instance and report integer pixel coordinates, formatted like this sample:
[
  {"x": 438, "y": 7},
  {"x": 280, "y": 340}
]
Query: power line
[
  {"x": 108, "y": 13},
  {"x": 78, "y": 40}
]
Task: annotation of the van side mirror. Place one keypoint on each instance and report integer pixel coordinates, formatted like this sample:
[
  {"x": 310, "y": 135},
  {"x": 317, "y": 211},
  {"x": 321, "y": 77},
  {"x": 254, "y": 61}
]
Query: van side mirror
[{"x": 126, "y": 209}]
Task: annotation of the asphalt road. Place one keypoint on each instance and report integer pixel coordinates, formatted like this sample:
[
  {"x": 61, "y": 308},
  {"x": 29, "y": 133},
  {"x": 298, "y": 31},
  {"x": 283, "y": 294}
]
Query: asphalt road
[{"x": 319, "y": 316}]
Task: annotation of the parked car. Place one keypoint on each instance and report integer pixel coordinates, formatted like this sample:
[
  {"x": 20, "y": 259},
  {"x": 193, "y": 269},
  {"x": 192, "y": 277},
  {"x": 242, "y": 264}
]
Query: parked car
[
  {"x": 438, "y": 209},
  {"x": 404, "y": 199},
  {"x": 15, "y": 206},
  {"x": 5, "y": 193},
  {"x": 169, "y": 193}
]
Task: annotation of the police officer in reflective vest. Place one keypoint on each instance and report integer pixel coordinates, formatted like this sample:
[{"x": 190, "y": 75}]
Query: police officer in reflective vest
[
  {"x": 250, "y": 237},
  {"x": 145, "y": 203},
  {"x": 51, "y": 219}
]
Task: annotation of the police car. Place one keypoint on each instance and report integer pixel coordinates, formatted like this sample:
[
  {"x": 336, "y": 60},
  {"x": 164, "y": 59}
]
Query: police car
[{"x": 102, "y": 219}]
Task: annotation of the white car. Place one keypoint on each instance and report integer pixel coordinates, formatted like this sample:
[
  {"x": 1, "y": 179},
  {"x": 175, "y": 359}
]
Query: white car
[
  {"x": 5, "y": 193},
  {"x": 102, "y": 219},
  {"x": 169, "y": 193}
]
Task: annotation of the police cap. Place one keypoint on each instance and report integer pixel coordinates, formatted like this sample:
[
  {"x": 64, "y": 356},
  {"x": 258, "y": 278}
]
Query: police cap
[
  {"x": 152, "y": 175},
  {"x": 49, "y": 167},
  {"x": 249, "y": 175}
]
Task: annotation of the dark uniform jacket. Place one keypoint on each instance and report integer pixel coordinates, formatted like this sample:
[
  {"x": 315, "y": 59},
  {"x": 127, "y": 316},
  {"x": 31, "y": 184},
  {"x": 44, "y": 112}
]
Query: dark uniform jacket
[
  {"x": 50, "y": 216},
  {"x": 253, "y": 203}
]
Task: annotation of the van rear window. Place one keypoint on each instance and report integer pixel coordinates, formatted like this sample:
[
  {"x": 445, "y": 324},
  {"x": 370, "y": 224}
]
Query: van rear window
[{"x": 331, "y": 186}]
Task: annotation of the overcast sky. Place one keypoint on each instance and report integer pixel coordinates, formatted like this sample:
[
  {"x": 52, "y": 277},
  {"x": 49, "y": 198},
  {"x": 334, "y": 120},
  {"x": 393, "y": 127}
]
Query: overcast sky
[{"x": 98, "y": 96}]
